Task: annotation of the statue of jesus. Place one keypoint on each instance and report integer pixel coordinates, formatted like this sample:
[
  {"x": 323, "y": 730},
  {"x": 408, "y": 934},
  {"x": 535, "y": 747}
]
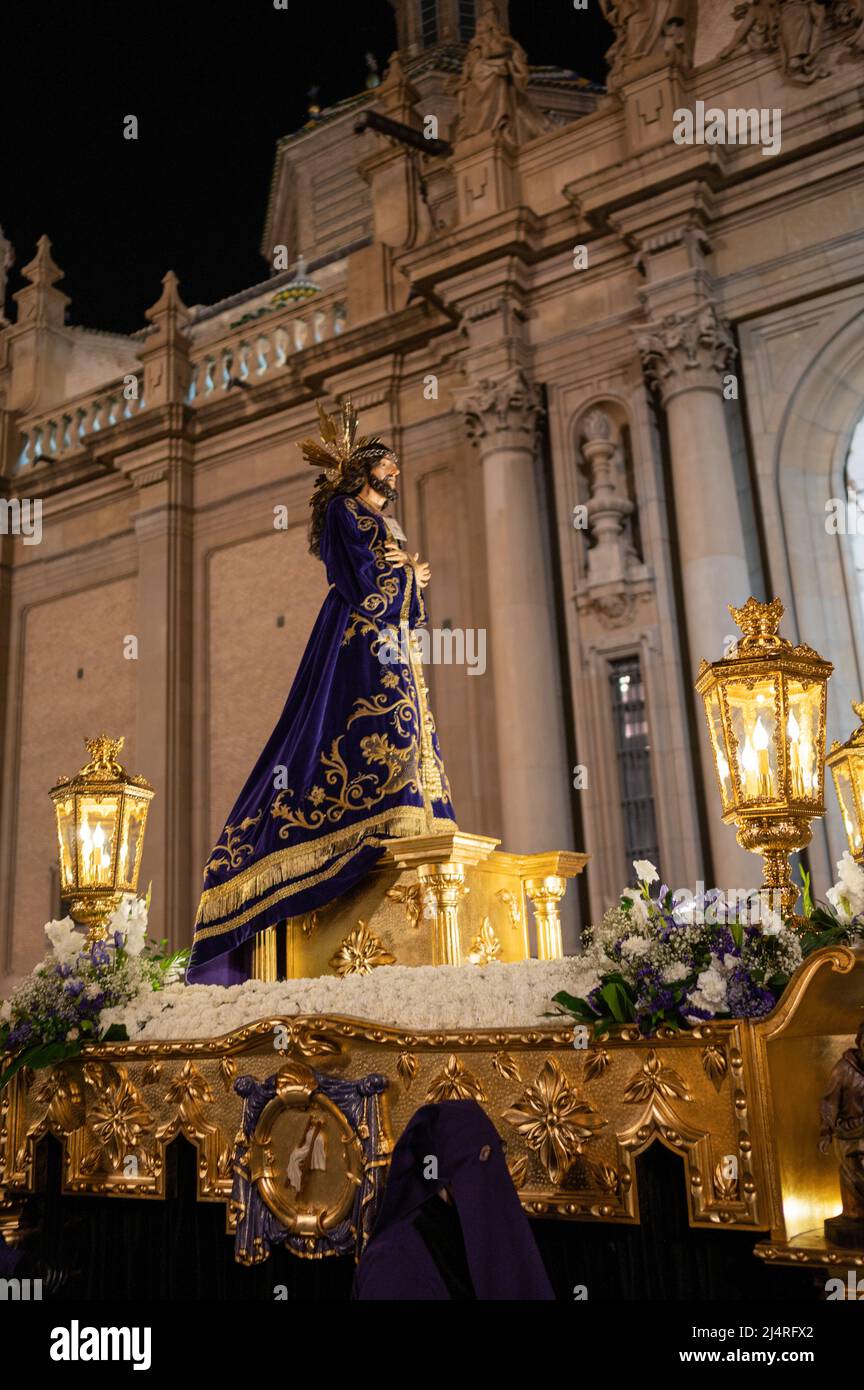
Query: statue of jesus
[{"x": 354, "y": 760}]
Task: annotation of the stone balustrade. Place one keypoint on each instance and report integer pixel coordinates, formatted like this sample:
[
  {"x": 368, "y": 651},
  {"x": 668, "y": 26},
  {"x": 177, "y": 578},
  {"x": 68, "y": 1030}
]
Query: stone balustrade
[
  {"x": 250, "y": 353},
  {"x": 258, "y": 350},
  {"x": 67, "y": 428}
]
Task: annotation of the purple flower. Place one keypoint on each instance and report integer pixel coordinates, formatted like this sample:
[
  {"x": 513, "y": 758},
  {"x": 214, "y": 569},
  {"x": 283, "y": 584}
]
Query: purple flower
[
  {"x": 74, "y": 987},
  {"x": 20, "y": 1033},
  {"x": 746, "y": 999}
]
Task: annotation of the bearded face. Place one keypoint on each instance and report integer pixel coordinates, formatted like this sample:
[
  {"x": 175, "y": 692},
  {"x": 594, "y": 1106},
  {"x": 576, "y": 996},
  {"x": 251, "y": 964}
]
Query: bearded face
[{"x": 382, "y": 477}]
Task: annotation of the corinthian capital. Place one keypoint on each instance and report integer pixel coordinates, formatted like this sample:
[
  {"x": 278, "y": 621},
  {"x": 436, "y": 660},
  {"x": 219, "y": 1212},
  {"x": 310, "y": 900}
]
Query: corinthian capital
[
  {"x": 682, "y": 352},
  {"x": 503, "y": 411}
]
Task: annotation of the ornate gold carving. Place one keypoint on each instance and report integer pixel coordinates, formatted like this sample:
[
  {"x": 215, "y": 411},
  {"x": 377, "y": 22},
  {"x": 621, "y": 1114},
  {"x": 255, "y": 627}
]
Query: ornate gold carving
[
  {"x": 485, "y": 946},
  {"x": 117, "y": 1119},
  {"x": 189, "y": 1090},
  {"x": 64, "y": 1100},
  {"x": 511, "y": 902},
  {"x": 447, "y": 885},
  {"x": 725, "y": 1183},
  {"x": 360, "y": 953},
  {"x": 505, "y": 1066},
  {"x": 227, "y": 1071},
  {"x": 414, "y": 898},
  {"x": 455, "y": 1082},
  {"x": 717, "y": 1123},
  {"x": 151, "y": 1073},
  {"x": 307, "y": 923},
  {"x": 407, "y": 1067},
  {"x": 655, "y": 1079},
  {"x": 553, "y": 1120},
  {"x": 605, "y": 1177},
  {"x": 596, "y": 1062},
  {"x": 518, "y": 1169},
  {"x": 318, "y": 1193},
  {"x": 715, "y": 1062},
  {"x": 545, "y": 895},
  {"x": 305, "y": 1037}
]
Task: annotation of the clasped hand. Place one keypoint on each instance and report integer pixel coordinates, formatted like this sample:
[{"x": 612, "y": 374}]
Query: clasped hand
[{"x": 395, "y": 555}]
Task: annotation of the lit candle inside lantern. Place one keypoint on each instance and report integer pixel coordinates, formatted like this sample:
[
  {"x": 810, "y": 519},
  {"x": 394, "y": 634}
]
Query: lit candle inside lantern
[
  {"x": 750, "y": 765},
  {"x": 86, "y": 850},
  {"x": 793, "y": 729},
  {"x": 761, "y": 743},
  {"x": 101, "y": 857}
]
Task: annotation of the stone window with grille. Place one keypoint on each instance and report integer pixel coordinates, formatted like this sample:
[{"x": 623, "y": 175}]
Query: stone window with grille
[{"x": 633, "y": 749}]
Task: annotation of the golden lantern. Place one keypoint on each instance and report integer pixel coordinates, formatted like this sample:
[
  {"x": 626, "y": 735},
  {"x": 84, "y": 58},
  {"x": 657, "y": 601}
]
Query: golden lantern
[
  {"x": 846, "y": 761},
  {"x": 765, "y": 704},
  {"x": 101, "y": 817}
]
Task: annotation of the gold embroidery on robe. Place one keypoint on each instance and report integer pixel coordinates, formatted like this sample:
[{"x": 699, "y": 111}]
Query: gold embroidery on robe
[{"x": 231, "y": 854}]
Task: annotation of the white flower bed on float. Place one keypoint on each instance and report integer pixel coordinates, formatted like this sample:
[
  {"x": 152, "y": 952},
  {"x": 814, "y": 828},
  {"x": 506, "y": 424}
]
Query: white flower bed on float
[{"x": 420, "y": 998}]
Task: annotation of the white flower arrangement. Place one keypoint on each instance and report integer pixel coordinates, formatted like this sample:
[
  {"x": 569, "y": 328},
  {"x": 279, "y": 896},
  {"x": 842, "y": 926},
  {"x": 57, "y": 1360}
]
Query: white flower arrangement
[{"x": 497, "y": 995}]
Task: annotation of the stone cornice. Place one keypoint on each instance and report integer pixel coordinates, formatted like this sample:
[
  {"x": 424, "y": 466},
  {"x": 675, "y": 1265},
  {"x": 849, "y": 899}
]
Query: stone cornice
[{"x": 515, "y": 232}]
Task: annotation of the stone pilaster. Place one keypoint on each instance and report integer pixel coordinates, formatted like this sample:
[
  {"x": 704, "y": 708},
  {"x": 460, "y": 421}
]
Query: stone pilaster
[
  {"x": 685, "y": 356},
  {"x": 161, "y": 471},
  {"x": 501, "y": 416}
]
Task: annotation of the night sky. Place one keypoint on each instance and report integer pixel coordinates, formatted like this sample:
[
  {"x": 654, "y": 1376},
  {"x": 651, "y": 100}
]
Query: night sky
[{"x": 213, "y": 87}]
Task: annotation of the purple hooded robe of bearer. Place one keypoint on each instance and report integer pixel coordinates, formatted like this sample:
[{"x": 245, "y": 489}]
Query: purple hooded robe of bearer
[
  {"x": 353, "y": 761},
  {"x": 478, "y": 1244}
]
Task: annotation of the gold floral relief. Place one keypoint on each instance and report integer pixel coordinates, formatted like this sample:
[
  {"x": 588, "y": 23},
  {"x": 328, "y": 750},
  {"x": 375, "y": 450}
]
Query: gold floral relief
[
  {"x": 655, "y": 1079},
  {"x": 485, "y": 947},
  {"x": 554, "y": 1120},
  {"x": 360, "y": 953},
  {"x": 455, "y": 1082}
]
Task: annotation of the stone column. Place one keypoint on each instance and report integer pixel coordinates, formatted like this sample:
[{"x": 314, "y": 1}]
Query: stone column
[
  {"x": 161, "y": 469},
  {"x": 501, "y": 418},
  {"x": 685, "y": 355}
]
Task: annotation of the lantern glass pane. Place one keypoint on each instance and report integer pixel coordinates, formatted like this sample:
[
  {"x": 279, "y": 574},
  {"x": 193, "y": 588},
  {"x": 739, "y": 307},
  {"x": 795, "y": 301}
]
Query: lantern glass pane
[
  {"x": 718, "y": 745},
  {"x": 66, "y": 837},
  {"x": 97, "y": 827},
  {"x": 805, "y": 740},
  {"x": 752, "y": 710},
  {"x": 855, "y": 764},
  {"x": 843, "y": 784},
  {"x": 131, "y": 841}
]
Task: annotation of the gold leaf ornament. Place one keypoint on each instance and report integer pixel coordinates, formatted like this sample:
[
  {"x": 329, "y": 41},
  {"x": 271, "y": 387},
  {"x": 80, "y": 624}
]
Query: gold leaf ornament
[
  {"x": 360, "y": 953},
  {"x": 553, "y": 1120},
  {"x": 656, "y": 1079}
]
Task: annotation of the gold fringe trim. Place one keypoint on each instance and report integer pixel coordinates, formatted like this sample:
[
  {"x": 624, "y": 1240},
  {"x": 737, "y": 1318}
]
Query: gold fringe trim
[{"x": 298, "y": 862}]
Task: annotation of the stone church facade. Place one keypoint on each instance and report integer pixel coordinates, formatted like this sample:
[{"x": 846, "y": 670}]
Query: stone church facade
[{"x": 622, "y": 371}]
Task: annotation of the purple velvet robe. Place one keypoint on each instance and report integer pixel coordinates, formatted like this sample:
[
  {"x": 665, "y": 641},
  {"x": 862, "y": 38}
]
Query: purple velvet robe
[
  {"x": 503, "y": 1258},
  {"x": 353, "y": 761}
]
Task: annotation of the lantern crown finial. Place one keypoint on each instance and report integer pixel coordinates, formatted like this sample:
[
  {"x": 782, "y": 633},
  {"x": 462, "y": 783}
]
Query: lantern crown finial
[
  {"x": 103, "y": 755},
  {"x": 759, "y": 623}
]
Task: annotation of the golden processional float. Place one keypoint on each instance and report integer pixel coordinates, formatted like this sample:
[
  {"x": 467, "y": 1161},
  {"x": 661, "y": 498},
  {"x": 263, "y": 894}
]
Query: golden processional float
[{"x": 737, "y": 1100}]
